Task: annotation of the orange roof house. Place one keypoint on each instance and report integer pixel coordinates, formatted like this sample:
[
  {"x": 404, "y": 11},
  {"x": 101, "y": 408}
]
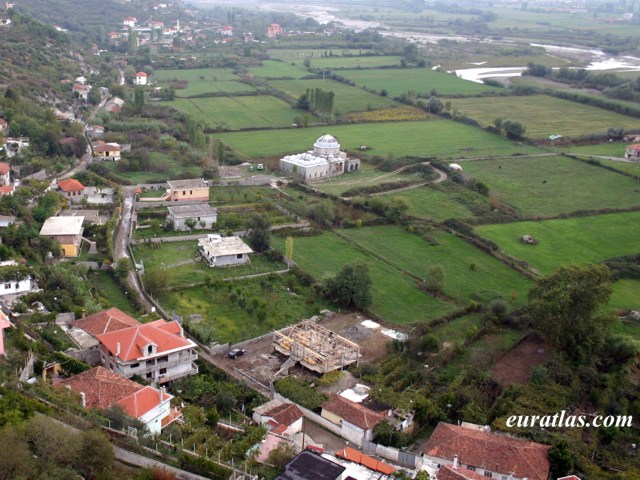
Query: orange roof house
[
  {"x": 71, "y": 189},
  {"x": 108, "y": 151},
  {"x": 355, "y": 420},
  {"x": 447, "y": 472},
  {"x": 633, "y": 151},
  {"x": 105, "y": 321},
  {"x": 360, "y": 458},
  {"x": 487, "y": 453},
  {"x": 101, "y": 388},
  {"x": 5, "y": 173}
]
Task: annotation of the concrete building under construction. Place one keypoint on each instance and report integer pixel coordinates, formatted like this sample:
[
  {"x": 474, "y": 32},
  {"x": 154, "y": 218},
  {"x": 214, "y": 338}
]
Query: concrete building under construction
[{"x": 315, "y": 347}]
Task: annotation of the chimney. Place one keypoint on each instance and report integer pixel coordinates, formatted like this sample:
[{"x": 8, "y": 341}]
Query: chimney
[
  {"x": 161, "y": 392},
  {"x": 83, "y": 400},
  {"x": 455, "y": 462},
  {"x": 118, "y": 349}
]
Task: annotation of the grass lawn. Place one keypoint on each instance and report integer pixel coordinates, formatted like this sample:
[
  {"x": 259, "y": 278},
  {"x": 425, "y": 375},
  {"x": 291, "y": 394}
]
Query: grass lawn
[
  {"x": 487, "y": 280},
  {"x": 568, "y": 241},
  {"x": 396, "y": 298},
  {"x": 110, "y": 293},
  {"x": 344, "y": 58},
  {"x": 203, "y": 80},
  {"x": 285, "y": 301},
  {"x": 609, "y": 149},
  {"x": 237, "y": 112},
  {"x": 553, "y": 185},
  {"x": 347, "y": 98},
  {"x": 456, "y": 331},
  {"x": 236, "y": 195},
  {"x": 179, "y": 257},
  {"x": 163, "y": 168},
  {"x": 436, "y": 138},
  {"x": 365, "y": 177},
  {"x": 625, "y": 296},
  {"x": 420, "y": 80},
  {"x": 437, "y": 203},
  {"x": 274, "y": 69},
  {"x": 544, "y": 115}
]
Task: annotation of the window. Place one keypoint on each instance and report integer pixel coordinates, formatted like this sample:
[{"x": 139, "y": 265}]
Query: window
[
  {"x": 150, "y": 349},
  {"x": 150, "y": 375},
  {"x": 7, "y": 286},
  {"x": 163, "y": 371},
  {"x": 488, "y": 474},
  {"x": 164, "y": 359},
  {"x": 239, "y": 256},
  {"x": 134, "y": 365},
  {"x": 469, "y": 467}
]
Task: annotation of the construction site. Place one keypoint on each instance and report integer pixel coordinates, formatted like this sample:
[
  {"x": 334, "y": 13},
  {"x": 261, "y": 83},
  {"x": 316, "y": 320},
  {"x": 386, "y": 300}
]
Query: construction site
[{"x": 315, "y": 347}]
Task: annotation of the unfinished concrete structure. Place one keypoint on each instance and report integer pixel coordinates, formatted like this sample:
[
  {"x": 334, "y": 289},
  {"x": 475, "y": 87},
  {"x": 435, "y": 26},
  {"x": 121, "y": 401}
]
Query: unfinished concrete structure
[{"x": 315, "y": 347}]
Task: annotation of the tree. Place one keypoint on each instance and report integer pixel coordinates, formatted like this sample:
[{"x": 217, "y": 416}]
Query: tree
[
  {"x": 350, "y": 288},
  {"x": 139, "y": 98},
  {"x": 154, "y": 281},
  {"x": 258, "y": 233},
  {"x": 560, "y": 459},
  {"x": 564, "y": 307},
  {"x": 281, "y": 455},
  {"x": 123, "y": 267},
  {"x": 435, "y": 279},
  {"x": 96, "y": 454},
  {"x": 513, "y": 129},
  {"x": 190, "y": 223}
]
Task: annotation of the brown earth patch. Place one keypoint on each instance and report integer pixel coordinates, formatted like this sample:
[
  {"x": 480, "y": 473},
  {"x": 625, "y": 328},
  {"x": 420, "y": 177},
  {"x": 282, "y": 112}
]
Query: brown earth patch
[{"x": 516, "y": 365}]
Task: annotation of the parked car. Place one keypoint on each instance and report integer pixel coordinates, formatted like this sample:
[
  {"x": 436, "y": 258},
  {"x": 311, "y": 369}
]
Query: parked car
[{"x": 236, "y": 352}]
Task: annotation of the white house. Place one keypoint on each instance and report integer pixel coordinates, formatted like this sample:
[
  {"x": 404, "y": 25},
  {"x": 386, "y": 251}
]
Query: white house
[
  {"x": 141, "y": 78},
  {"x": 201, "y": 212},
  {"x": 324, "y": 161},
  {"x": 15, "y": 279},
  {"x": 285, "y": 418},
  {"x": 218, "y": 251},
  {"x": 130, "y": 22},
  {"x": 355, "y": 420}
]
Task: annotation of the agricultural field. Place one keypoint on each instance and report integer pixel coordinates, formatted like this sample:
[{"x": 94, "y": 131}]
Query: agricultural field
[
  {"x": 275, "y": 69},
  {"x": 367, "y": 176},
  {"x": 396, "y": 298},
  {"x": 392, "y": 114},
  {"x": 548, "y": 186},
  {"x": 202, "y": 81},
  {"x": 470, "y": 274},
  {"x": 237, "y": 112},
  {"x": 439, "y": 202},
  {"x": 185, "y": 270},
  {"x": 231, "y": 311},
  {"x": 236, "y": 195},
  {"x": 162, "y": 168},
  {"x": 567, "y": 241},
  {"x": 347, "y": 98},
  {"x": 438, "y": 138},
  {"x": 342, "y": 58},
  {"x": 544, "y": 115},
  {"x": 625, "y": 297},
  {"x": 423, "y": 81},
  {"x": 456, "y": 331},
  {"x": 110, "y": 291},
  {"x": 609, "y": 149}
]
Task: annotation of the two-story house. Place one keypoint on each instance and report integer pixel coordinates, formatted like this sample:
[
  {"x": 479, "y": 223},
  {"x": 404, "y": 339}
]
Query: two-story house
[
  {"x": 66, "y": 230},
  {"x": 190, "y": 189},
  {"x": 71, "y": 189}
]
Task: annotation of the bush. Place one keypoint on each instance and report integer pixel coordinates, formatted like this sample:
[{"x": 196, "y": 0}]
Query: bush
[{"x": 299, "y": 391}]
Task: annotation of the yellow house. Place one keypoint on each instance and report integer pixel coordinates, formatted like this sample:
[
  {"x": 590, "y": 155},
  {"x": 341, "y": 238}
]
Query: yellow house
[
  {"x": 191, "y": 189},
  {"x": 108, "y": 151},
  {"x": 67, "y": 231}
]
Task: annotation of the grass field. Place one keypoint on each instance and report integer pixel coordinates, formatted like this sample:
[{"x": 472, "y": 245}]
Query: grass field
[
  {"x": 420, "y": 80},
  {"x": 163, "y": 168},
  {"x": 238, "y": 112},
  {"x": 609, "y": 149},
  {"x": 110, "y": 292},
  {"x": 274, "y": 69},
  {"x": 571, "y": 185},
  {"x": 437, "y": 138},
  {"x": 285, "y": 302},
  {"x": 347, "y": 98},
  {"x": 201, "y": 81},
  {"x": 456, "y": 331},
  {"x": 625, "y": 296},
  {"x": 179, "y": 257},
  {"x": 543, "y": 115},
  {"x": 568, "y": 241},
  {"x": 396, "y": 298},
  {"x": 470, "y": 273},
  {"x": 365, "y": 177},
  {"x": 436, "y": 203},
  {"x": 343, "y": 58}
]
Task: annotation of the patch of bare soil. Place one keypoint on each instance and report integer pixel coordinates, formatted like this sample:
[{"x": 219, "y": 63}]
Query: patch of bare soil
[{"x": 516, "y": 365}]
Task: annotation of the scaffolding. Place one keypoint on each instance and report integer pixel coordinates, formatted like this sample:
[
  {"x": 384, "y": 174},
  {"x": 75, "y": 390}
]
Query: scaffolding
[{"x": 315, "y": 347}]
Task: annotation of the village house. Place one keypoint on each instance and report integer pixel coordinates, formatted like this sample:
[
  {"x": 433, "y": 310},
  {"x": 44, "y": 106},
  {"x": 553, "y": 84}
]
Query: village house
[
  {"x": 6, "y": 190},
  {"x": 450, "y": 472},
  {"x": 280, "y": 417},
  {"x": 6, "y": 221},
  {"x": 204, "y": 215},
  {"x": 67, "y": 231},
  {"x": 71, "y": 189},
  {"x": 4, "y": 323},
  {"x": 191, "y": 189},
  {"x": 374, "y": 468},
  {"x": 218, "y": 251},
  {"x": 141, "y": 79},
  {"x": 633, "y": 151},
  {"x": 130, "y": 22},
  {"x": 473, "y": 448},
  {"x": 5, "y": 170},
  {"x": 324, "y": 161},
  {"x": 100, "y": 388},
  {"x": 274, "y": 30},
  {"x": 355, "y": 420},
  {"x": 4, "y": 126},
  {"x": 82, "y": 91},
  {"x": 226, "y": 31},
  {"x": 107, "y": 151},
  {"x": 15, "y": 279},
  {"x": 308, "y": 465},
  {"x": 95, "y": 131},
  {"x": 14, "y": 145}
]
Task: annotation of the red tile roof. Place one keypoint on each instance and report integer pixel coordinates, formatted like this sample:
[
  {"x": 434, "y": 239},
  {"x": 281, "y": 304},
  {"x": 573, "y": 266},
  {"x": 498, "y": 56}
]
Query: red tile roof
[
  {"x": 371, "y": 463},
  {"x": 141, "y": 74},
  {"x": 285, "y": 414},
  {"x": 165, "y": 336},
  {"x": 107, "y": 148},
  {"x": 142, "y": 401},
  {"x": 3, "y": 122},
  {"x": 353, "y": 412},
  {"x": 570, "y": 477},
  {"x": 447, "y": 472},
  {"x": 489, "y": 451},
  {"x": 5, "y": 189},
  {"x": 68, "y": 141},
  {"x": 70, "y": 185},
  {"x": 105, "y": 321},
  {"x": 4, "y": 168},
  {"x": 634, "y": 147}
]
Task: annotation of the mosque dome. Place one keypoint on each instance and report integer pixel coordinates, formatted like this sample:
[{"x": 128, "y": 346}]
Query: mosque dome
[{"x": 326, "y": 144}]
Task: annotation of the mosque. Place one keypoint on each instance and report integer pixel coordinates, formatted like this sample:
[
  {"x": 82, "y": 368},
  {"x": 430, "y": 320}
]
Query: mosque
[{"x": 324, "y": 161}]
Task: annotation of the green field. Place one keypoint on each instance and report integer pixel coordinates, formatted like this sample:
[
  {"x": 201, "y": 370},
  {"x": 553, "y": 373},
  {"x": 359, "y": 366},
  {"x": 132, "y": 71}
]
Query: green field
[
  {"x": 543, "y": 115},
  {"x": 110, "y": 293},
  {"x": 438, "y": 203},
  {"x": 202, "y": 81},
  {"x": 237, "y": 112},
  {"x": 436, "y": 138},
  {"x": 568, "y": 241},
  {"x": 179, "y": 257},
  {"x": 274, "y": 69},
  {"x": 548, "y": 186},
  {"x": 456, "y": 331},
  {"x": 341, "y": 59},
  {"x": 366, "y": 176},
  {"x": 609, "y": 149},
  {"x": 347, "y": 98},
  {"x": 625, "y": 296},
  {"x": 470, "y": 273},
  {"x": 421, "y": 80},
  {"x": 396, "y": 298},
  {"x": 162, "y": 168}
]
